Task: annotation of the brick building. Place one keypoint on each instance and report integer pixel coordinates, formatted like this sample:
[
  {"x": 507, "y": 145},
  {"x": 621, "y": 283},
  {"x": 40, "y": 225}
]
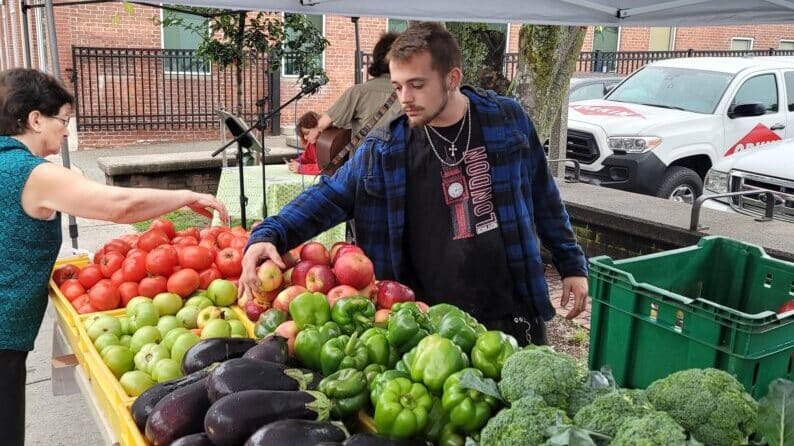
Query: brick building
[{"x": 180, "y": 98}]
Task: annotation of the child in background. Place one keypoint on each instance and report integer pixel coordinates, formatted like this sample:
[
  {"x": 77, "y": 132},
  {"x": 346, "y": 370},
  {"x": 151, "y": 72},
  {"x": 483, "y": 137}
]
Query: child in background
[{"x": 308, "y": 132}]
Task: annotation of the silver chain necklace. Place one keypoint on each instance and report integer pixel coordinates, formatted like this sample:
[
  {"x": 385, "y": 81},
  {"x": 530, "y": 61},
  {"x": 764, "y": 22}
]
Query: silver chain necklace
[{"x": 452, "y": 148}]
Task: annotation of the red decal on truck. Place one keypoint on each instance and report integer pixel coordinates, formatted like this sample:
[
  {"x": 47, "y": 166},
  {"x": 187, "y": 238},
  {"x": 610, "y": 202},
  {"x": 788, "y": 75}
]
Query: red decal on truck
[
  {"x": 759, "y": 135},
  {"x": 606, "y": 110}
]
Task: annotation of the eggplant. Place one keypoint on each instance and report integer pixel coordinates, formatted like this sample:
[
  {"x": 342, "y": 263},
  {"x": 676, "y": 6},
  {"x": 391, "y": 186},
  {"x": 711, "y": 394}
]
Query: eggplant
[
  {"x": 200, "y": 439},
  {"x": 296, "y": 433},
  {"x": 146, "y": 401},
  {"x": 240, "y": 374},
  {"x": 179, "y": 414},
  {"x": 234, "y": 418},
  {"x": 378, "y": 440},
  {"x": 212, "y": 350},
  {"x": 272, "y": 348}
]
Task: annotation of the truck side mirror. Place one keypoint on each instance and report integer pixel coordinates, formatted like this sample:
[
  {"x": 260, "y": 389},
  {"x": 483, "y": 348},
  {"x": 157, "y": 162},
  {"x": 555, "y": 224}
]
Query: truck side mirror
[{"x": 746, "y": 110}]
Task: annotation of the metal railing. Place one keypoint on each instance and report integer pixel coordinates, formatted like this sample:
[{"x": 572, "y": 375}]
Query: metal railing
[{"x": 118, "y": 89}]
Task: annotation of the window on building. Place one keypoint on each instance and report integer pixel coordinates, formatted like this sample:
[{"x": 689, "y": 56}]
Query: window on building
[
  {"x": 789, "y": 76},
  {"x": 762, "y": 88},
  {"x": 288, "y": 67},
  {"x": 179, "y": 43},
  {"x": 787, "y": 44},
  {"x": 396, "y": 25},
  {"x": 741, "y": 43}
]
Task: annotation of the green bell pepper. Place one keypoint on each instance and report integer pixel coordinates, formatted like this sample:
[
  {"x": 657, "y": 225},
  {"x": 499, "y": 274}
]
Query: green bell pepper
[
  {"x": 439, "y": 431},
  {"x": 402, "y": 408},
  {"x": 461, "y": 329},
  {"x": 310, "y": 309},
  {"x": 268, "y": 322},
  {"x": 343, "y": 352},
  {"x": 468, "y": 409},
  {"x": 373, "y": 370},
  {"x": 348, "y": 389},
  {"x": 438, "y": 311},
  {"x": 380, "y": 352},
  {"x": 355, "y": 313},
  {"x": 491, "y": 351},
  {"x": 310, "y": 341},
  {"x": 377, "y": 383},
  {"x": 403, "y": 364},
  {"x": 407, "y": 326},
  {"x": 436, "y": 359}
]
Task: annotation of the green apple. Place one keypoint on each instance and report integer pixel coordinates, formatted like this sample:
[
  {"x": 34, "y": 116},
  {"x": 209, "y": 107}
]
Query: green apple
[
  {"x": 207, "y": 315},
  {"x": 198, "y": 292},
  {"x": 144, "y": 314},
  {"x": 227, "y": 314},
  {"x": 168, "y": 323},
  {"x": 104, "y": 324},
  {"x": 126, "y": 325},
  {"x": 166, "y": 370},
  {"x": 238, "y": 329},
  {"x": 188, "y": 317},
  {"x": 143, "y": 336},
  {"x": 201, "y": 301},
  {"x": 167, "y": 303},
  {"x": 135, "y": 382},
  {"x": 182, "y": 345},
  {"x": 148, "y": 355},
  {"x": 222, "y": 292},
  {"x": 135, "y": 301},
  {"x": 125, "y": 340},
  {"x": 106, "y": 339},
  {"x": 216, "y": 328},
  {"x": 168, "y": 339},
  {"x": 118, "y": 358}
]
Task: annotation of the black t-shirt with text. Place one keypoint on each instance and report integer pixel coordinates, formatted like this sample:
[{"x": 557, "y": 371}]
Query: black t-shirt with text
[{"x": 452, "y": 239}]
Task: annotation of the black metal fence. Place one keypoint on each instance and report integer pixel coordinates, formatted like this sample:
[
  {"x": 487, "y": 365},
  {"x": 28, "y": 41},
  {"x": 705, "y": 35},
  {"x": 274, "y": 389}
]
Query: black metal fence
[
  {"x": 121, "y": 89},
  {"x": 625, "y": 62}
]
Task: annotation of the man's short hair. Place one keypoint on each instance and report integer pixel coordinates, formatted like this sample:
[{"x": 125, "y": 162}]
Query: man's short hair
[
  {"x": 431, "y": 37},
  {"x": 23, "y": 90},
  {"x": 380, "y": 61},
  {"x": 308, "y": 120}
]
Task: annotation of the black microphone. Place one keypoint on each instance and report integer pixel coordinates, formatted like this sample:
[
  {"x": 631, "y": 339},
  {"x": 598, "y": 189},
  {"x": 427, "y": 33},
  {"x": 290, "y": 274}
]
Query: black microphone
[{"x": 312, "y": 88}]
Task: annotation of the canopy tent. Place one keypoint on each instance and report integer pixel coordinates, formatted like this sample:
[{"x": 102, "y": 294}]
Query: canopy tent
[{"x": 550, "y": 12}]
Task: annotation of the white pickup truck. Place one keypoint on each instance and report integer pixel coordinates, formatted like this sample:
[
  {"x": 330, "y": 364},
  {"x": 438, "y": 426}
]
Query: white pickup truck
[{"x": 661, "y": 129}]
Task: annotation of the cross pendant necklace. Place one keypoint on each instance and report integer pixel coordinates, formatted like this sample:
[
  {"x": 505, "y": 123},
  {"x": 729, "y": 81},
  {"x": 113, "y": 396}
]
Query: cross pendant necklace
[{"x": 452, "y": 150}]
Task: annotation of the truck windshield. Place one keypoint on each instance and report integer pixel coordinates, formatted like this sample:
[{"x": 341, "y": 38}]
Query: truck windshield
[{"x": 676, "y": 88}]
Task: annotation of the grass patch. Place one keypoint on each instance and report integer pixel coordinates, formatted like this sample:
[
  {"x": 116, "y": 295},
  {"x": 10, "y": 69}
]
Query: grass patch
[{"x": 185, "y": 218}]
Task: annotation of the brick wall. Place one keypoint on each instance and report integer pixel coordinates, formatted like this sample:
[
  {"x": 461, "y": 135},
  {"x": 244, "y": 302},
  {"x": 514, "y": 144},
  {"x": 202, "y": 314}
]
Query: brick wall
[{"x": 198, "y": 180}]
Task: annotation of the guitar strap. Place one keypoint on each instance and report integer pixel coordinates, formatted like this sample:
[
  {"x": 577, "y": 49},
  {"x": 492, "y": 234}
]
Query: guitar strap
[{"x": 363, "y": 132}]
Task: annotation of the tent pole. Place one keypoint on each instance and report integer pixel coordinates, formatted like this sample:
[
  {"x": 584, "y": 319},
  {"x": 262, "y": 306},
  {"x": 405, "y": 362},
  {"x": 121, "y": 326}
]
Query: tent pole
[
  {"x": 56, "y": 71},
  {"x": 23, "y": 8},
  {"x": 359, "y": 77}
]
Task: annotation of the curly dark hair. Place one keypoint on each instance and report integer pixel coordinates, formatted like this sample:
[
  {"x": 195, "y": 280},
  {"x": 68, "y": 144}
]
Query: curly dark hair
[
  {"x": 380, "y": 63},
  {"x": 23, "y": 90},
  {"x": 431, "y": 37}
]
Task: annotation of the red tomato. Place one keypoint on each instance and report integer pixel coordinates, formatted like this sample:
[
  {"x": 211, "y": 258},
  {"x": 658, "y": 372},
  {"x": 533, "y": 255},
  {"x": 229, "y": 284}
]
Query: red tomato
[
  {"x": 152, "y": 286},
  {"x": 137, "y": 253},
  {"x": 208, "y": 275},
  {"x": 98, "y": 254},
  {"x": 131, "y": 239},
  {"x": 65, "y": 273},
  {"x": 165, "y": 226},
  {"x": 183, "y": 282},
  {"x": 134, "y": 268},
  {"x": 225, "y": 239},
  {"x": 196, "y": 257},
  {"x": 230, "y": 262},
  {"x": 117, "y": 278},
  {"x": 90, "y": 275},
  {"x": 239, "y": 231},
  {"x": 72, "y": 289},
  {"x": 162, "y": 260},
  {"x": 239, "y": 242},
  {"x": 80, "y": 301},
  {"x": 152, "y": 239},
  {"x": 117, "y": 245},
  {"x": 184, "y": 241},
  {"x": 189, "y": 232},
  {"x": 127, "y": 291},
  {"x": 111, "y": 263},
  {"x": 87, "y": 308},
  {"x": 104, "y": 297}
]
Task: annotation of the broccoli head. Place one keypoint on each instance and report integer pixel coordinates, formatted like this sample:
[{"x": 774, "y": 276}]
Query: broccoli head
[
  {"x": 655, "y": 429},
  {"x": 540, "y": 371},
  {"x": 584, "y": 395},
  {"x": 524, "y": 423},
  {"x": 709, "y": 403},
  {"x": 608, "y": 412}
]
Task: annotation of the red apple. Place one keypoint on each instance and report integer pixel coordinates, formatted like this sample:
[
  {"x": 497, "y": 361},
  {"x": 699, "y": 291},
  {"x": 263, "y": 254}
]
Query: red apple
[
  {"x": 289, "y": 330},
  {"x": 298, "y": 276},
  {"x": 267, "y": 297},
  {"x": 422, "y": 306},
  {"x": 370, "y": 291},
  {"x": 382, "y": 317},
  {"x": 270, "y": 276},
  {"x": 390, "y": 292},
  {"x": 341, "y": 291},
  {"x": 346, "y": 249},
  {"x": 253, "y": 310},
  {"x": 287, "y": 276},
  {"x": 285, "y": 297},
  {"x": 315, "y": 252},
  {"x": 337, "y": 246},
  {"x": 786, "y": 307},
  {"x": 354, "y": 269},
  {"x": 320, "y": 278}
]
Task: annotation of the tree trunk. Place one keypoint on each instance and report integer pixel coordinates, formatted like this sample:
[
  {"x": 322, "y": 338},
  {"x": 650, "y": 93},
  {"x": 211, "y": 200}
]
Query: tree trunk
[{"x": 546, "y": 59}]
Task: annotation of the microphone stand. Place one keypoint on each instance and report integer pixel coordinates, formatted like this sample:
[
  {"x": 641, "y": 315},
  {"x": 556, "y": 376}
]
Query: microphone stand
[{"x": 260, "y": 124}]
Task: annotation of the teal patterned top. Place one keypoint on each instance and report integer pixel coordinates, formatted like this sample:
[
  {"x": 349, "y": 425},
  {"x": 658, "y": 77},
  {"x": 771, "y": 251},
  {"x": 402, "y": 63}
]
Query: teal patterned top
[{"x": 29, "y": 248}]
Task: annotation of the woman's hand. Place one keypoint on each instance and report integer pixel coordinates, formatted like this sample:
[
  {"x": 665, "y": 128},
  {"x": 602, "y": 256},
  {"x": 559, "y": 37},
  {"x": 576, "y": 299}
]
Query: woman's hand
[
  {"x": 201, "y": 203},
  {"x": 293, "y": 166}
]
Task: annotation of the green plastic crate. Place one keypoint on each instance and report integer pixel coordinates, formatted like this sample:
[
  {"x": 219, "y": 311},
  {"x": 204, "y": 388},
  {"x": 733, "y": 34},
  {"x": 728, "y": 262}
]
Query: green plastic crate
[{"x": 709, "y": 305}]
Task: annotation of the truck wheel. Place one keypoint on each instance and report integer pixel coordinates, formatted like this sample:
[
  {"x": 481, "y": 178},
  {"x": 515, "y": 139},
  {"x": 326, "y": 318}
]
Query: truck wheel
[{"x": 680, "y": 184}]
